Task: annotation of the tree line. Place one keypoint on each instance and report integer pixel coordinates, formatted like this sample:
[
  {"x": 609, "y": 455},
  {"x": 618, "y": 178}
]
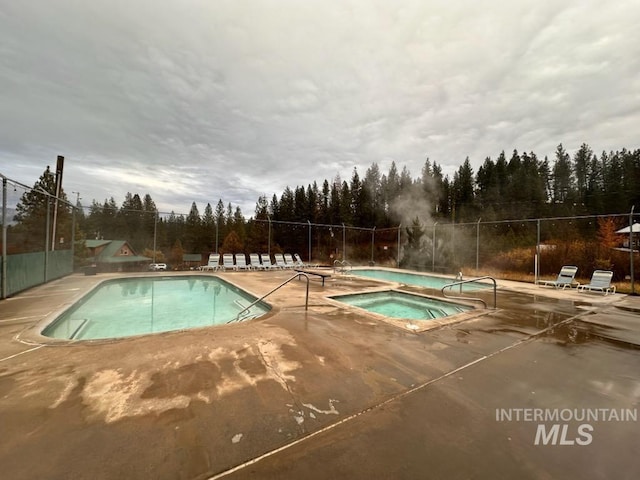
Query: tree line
[{"x": 520, "y": 186}]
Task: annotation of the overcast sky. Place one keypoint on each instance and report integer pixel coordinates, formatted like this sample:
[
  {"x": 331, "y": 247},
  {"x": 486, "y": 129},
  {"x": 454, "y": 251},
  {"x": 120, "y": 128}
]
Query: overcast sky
[{"x": 205, "y": 100}]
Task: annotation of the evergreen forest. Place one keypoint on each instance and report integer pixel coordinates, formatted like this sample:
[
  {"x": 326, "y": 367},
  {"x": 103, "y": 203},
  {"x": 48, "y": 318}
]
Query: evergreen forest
[{"x": 519, "y": 186}]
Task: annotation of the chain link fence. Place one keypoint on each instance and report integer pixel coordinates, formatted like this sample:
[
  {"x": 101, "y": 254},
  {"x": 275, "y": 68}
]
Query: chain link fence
[
  {"x": 40, "y": 246},
  {"x": 37, "y": 238}
]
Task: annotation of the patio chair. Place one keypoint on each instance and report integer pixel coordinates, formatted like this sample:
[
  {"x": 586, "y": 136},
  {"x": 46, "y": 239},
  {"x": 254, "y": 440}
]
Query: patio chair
[
  {"x": 280, "y": 263},
  {"x": 227, "y": 261},
  {"x": 288, "y": 259},
  {"x": 565, "y": 278},
  {"x": 241, "y": 262},
  {"x": 213, "y": 263},
  {"x": 600, "y": 281},
  {"x": 300, "y": 264},
  {"x": 254, "y": 262},
  {"x": 266, "y": 262}
]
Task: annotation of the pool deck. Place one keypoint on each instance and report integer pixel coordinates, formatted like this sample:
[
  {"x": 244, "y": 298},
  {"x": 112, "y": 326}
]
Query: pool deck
[{"x": 328, "y": 392}]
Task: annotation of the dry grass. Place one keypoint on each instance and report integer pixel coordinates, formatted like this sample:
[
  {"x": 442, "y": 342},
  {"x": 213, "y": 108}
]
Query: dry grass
[{"x": 621, "y": 287}]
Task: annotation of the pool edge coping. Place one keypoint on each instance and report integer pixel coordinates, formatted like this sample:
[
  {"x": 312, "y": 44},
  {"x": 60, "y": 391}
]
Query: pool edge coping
[
  {"x": 429, "y": 324},
  {"x": 32, "y": 335}
]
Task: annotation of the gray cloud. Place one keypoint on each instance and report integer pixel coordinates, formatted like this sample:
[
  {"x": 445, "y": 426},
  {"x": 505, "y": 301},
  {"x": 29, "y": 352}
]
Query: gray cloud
[{"x": 207, "y": 100}]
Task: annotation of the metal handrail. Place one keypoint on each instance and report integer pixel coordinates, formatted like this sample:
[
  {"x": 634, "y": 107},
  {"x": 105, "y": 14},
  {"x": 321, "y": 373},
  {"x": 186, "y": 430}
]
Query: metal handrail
[
  {"x": 495, "y": 288},
  {"x": 343, "y": 265},
  {"x": 297, "y": 275},
  {"x": 80, "y": 327}
]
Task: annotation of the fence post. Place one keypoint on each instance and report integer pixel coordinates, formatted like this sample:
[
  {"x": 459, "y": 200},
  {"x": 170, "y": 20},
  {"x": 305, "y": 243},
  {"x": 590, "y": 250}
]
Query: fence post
[
  {"x": 537, "y": 259},
  {"x": 217, "y": 251},
  {"x": 373, "y": 241},
  {"x": 46, "y": 241},
  {"x": 433, "y": 249},
  {"x": 398, "y": 252},
  {"x": 631, "y": 273},
  {"x": 269, "y": 244},
  {"x": 478, "y": 245},
  {"x": 309, "y": 240},
  {"x": 155, "y": 235},
  {"x": 4, "y": 238},
  {"x": 73, "y": 236},
  {"x": 453, "y": 245},
  {"x": 344, "y": 242}
]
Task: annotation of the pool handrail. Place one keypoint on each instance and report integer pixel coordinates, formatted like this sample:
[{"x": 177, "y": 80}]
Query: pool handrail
[
  {"x": 342, "y": 265},
  {"x": 297, "y": 275},
  {"x": 471, "y": 280}
]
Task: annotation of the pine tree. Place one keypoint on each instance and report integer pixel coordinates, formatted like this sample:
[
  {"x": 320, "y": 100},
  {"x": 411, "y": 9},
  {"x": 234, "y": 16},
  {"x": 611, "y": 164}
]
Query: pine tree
[
  {"x": 33, "y": 209},
  {"x": 193, "y": 229},
  {"x": 562, "y": 180}
]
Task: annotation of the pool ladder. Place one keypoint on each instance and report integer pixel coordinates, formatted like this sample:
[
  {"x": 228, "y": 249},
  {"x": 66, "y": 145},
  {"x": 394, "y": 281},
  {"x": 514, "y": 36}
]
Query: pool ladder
[
  {"x": 297, "y": 275},
  {"x": 473, "y": 299}
]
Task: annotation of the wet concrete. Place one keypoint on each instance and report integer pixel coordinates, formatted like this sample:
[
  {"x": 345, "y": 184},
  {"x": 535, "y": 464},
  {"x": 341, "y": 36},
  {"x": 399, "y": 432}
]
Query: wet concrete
[{"x": 323, "y": 393}]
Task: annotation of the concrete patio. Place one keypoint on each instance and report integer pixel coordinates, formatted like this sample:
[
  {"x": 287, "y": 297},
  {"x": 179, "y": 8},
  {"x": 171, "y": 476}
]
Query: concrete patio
[{"x": 325, "y": 393}]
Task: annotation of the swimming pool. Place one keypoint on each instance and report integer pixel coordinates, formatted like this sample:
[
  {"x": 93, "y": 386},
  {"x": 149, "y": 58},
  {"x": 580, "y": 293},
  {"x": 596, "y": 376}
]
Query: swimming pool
[
  {"x": 137, "y": 306},
  {"x": 401, "y": 305},
  {"x": 415, "y": 279}
]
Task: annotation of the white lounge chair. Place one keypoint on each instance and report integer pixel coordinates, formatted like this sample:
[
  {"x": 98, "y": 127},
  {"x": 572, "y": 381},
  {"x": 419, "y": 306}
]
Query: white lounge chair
[
  {"x": 280, "y": 263},
  {"x": 254, "y": 261},
  {"x": 241, "y": 262},
  {"x": 600, "y": 281},
  {"x": 266, "y": 262},
  {"x": 565, "y": 278},
  {"x": 288, "y": 258},
  {"x": 298, "y": 261},
  {"x": 300, "y": 264},
  {"x": 213, "y": 264},
  {"x": 227, "y": 261}
]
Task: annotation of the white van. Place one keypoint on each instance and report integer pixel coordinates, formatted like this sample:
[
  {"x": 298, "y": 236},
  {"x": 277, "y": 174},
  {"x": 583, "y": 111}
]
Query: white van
[{"x": 158, "y": 267}]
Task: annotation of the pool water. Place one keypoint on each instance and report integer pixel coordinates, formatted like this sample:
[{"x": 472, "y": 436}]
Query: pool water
[
  {"x": 138, "y": 306},
  {"x": 419, "y": 280},
  {"x": 403, "y": 305}
]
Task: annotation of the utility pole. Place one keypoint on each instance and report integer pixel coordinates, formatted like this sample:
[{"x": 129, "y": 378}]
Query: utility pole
[{"x": 59, "y": 168}]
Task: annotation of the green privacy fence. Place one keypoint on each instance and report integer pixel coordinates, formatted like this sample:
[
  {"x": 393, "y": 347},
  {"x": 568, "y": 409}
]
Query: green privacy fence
[
  {"x": 43, "y": 250},
  {"x": 26, "y": 270}
]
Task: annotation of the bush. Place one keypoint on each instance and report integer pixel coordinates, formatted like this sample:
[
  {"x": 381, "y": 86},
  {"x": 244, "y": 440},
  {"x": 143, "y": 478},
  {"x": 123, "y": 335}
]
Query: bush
[{"x": 518, "y": 259}]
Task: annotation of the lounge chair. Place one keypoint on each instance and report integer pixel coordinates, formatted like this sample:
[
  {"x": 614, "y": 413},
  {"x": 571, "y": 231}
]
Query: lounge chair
[
  {"x": 227, "y": 261},
  {"x": 266, "y": 262},
  {"x": 241, "y": 262},
  {"x": 213, "y": 263},
  {"x": 601, "y": 281},
  {"x": 298, "y": 261},
  {"x": 565, "y": 278},
  {"x": 254, "y": 261},
  {"x": 300, "y": 264},
  {"x": 280, "y": 263},
  {"x": 288, "y": 259}
]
